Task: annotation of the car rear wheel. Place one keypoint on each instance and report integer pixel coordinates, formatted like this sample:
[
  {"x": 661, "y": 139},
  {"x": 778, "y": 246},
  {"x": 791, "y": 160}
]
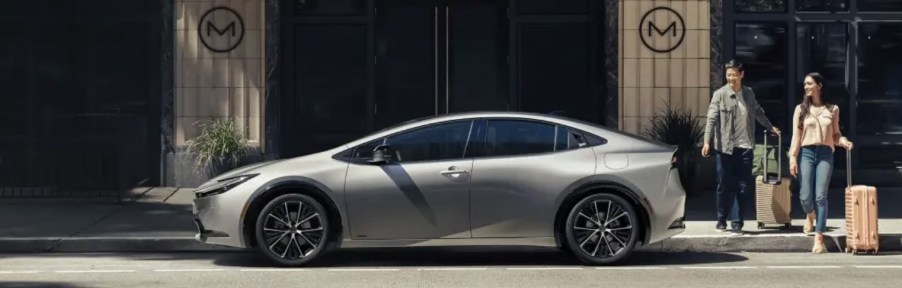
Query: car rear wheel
[
  {"x": 602, "y": 229},
  {"x": 292, "y": 229}
]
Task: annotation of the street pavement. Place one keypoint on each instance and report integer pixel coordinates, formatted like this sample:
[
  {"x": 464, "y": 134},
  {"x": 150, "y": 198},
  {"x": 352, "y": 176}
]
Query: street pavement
[
  {"x": 450, "y": 267},
  {"x": 159, "y": 219}
]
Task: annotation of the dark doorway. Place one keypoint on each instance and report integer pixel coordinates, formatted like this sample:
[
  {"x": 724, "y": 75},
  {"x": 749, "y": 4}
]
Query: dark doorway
[
  {"x": 81, "y": 116},
  {"x": 454, "y": 51},
  {"x": 356, "y": 66}
]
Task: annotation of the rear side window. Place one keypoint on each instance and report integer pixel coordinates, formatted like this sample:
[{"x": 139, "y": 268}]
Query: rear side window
[{"x": 515, "y": 137}]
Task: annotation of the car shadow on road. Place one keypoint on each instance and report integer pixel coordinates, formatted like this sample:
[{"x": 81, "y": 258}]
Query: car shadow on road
[
  {"x": 473, "y": 256},
  {"x": 39, "y": 284}
]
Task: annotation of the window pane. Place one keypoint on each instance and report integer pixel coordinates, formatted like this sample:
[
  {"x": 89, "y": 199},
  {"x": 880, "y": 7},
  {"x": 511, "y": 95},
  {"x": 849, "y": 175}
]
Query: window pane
[
  {"x": 565, "y": 139},
  {"x": 330, "y": 82},
  {"x": 506, "y": 138},
  {"x": 329, "y": 7},
  {"x": 879, "y": 74},
  {"x": 880, "y": 5},
  {"x": 761, "y": 47},
  {"x": 561, "y": 82},
  {"x": 760, "y": 5},
  {"x": 552, "y": 7},
  {"x": 822, "y": 48},
  {"x": 446, "y": 141},
  {"x": 822, "y": 5},
  {"x": 880, "y": 157},
  {"x": 365, "y": 151}
]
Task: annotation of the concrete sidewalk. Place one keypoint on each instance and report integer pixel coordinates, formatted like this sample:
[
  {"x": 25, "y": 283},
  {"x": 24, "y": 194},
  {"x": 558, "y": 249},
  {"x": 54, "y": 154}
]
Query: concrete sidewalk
[{"x": 160, "y": 220}]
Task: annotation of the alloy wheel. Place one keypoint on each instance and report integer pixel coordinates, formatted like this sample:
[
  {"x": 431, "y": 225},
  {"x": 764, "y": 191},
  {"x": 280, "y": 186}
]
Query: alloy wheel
[
  {"x": 602, "y": 229},
  {"x": 292, "y": 229}
]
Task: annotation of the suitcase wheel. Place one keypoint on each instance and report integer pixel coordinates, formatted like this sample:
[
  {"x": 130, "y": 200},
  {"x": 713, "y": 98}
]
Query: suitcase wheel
[
  {"x": 760, "y": 225},
  {"x": 787, "y": 225}
]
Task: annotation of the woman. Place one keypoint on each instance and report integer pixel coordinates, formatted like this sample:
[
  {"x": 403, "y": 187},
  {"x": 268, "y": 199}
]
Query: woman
[{"x": 816, "y": 133}]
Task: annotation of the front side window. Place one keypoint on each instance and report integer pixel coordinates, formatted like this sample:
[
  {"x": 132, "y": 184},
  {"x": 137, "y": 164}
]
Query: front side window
[{"x": 438, "y": 142}]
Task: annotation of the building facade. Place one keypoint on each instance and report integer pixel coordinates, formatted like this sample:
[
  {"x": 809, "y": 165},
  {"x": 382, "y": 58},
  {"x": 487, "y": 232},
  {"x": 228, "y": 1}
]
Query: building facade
[{"x": 105, "y": 95}]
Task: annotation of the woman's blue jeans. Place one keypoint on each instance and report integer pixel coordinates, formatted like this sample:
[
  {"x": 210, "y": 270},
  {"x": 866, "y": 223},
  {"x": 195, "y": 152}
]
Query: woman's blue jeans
[{"x": 815, "y": 169}]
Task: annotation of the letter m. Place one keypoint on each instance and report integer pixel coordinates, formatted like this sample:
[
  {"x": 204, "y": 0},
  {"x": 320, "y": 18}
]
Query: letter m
[
  {"x": 231, "y": 27},
  {"x": 672, "y": 26}
]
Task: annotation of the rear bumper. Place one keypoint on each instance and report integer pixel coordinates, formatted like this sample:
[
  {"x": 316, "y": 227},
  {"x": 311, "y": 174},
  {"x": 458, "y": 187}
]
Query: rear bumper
[{"x": 669, "y": 210}]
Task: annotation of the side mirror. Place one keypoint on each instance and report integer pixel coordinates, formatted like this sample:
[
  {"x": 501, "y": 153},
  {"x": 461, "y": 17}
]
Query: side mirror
[{"x": 380, "y": 156}]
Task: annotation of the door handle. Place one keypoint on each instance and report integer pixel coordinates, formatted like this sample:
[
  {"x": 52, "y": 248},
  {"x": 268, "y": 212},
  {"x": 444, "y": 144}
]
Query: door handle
[{"x": 453, "y": 171}]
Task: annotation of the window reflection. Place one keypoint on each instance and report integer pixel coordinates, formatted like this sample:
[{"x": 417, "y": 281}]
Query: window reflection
[
  {"x": 880, "y": 5},
  {"x": 879, "y": 74},
  {"x": 761, "y": 47},
  {"x": 760, "y": 5},
  {"x": 822, "y": 5}
]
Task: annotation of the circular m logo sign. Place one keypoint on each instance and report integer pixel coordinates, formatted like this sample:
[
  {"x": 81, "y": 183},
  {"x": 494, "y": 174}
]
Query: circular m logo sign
[
  {"x": 221, "y": 29},
  {"x": 663, "y": 36}
]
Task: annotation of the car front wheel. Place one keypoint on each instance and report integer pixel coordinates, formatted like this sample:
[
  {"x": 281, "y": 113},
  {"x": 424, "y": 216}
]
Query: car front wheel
[
  {"x": 602, "y": 229},
  {"x": 292, "y": 229}
]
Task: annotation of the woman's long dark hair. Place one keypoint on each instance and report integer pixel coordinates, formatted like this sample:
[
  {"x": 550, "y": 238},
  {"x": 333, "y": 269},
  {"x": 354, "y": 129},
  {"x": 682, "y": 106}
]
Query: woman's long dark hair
[{"x": 806, "y": 101}]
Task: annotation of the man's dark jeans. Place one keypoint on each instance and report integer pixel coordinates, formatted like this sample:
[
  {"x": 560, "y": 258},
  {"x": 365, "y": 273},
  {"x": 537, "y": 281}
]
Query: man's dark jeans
[{"x": 734, "y": 179}]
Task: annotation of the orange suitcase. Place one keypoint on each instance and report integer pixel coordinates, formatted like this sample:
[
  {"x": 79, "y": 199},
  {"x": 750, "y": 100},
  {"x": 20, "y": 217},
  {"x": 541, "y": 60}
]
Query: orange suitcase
[
  {"x": 773, "y": 200},
  {"x": 861, "y": 215}
]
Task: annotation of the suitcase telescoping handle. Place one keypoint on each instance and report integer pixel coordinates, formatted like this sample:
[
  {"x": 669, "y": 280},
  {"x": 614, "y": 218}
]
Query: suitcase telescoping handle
[
  {"x": 766, "y": 179},
  {"x": 849, "y": 167}
]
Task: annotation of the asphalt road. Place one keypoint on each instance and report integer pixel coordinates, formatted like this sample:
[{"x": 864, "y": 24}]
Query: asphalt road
[{"x": 452, "y": 267}]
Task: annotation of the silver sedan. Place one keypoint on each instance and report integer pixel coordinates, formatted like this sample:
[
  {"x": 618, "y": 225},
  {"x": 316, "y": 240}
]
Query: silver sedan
[{"x": 499, "y": 178}]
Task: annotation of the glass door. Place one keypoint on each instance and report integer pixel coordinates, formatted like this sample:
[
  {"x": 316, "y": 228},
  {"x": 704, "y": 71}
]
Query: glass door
[
  {"x": 438, "y": 57},
  {"x": 823, "y": 47}
]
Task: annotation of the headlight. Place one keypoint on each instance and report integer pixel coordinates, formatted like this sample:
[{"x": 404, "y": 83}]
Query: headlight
[{"x": 223, "y": 185}]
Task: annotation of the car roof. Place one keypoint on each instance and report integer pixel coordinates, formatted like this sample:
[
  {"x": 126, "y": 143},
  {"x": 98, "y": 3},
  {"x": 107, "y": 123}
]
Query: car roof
[{"x": 558, "y": 119}]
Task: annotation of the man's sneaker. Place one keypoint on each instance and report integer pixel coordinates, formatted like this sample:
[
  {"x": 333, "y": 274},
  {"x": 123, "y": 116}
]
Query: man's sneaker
[
  {"x": 721, "y": 227},
  {"x": 736, "y": 231}
]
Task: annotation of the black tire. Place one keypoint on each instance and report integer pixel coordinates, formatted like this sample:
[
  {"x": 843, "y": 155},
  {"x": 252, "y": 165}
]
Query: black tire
[
  {"x": 309, "y": 236},
  {"x": 615, "y": 245}
]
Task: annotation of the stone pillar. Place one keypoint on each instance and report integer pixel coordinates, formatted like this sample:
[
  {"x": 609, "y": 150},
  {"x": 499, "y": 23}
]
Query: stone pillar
[
  {"x": 664, "y": 56},
  {"x": 218, "y": 72}
]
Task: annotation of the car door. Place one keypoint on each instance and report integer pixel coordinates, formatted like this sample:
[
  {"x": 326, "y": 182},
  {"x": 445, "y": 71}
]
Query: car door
[
  {"x": 521, "y": 169},
  {"x": 422, "y": 192}
]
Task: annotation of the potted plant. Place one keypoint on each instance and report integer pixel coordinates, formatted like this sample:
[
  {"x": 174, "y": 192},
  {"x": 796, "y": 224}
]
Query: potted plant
[
  {"x": 680, "y": 128},
  {"x": 219, "y": 147}
]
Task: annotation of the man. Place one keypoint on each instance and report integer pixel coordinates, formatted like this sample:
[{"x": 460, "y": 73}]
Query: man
[{"x": 730, "y": 133}]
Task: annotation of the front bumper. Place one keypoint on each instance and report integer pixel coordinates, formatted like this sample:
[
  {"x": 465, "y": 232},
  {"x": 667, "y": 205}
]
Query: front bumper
[{"x": 217, "y": 222}]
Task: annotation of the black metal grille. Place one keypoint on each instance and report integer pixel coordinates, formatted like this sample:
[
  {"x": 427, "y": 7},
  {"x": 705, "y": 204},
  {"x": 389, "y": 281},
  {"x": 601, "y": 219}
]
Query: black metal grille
[{"x": 81, "y": 155}]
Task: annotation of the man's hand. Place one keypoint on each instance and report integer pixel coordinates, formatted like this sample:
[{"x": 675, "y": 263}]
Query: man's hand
[
  {"x": 776, "y": 130},
  {"x": 793, "y": 169},
  {"x": 705, "y": 150}
]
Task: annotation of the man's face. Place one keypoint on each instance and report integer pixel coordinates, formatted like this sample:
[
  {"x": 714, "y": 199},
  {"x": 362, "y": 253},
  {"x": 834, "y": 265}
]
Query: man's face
[{"x": 734, "y": 78}]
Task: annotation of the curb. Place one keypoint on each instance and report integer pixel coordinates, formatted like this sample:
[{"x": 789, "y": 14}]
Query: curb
[
  {"x": 108, "y": 244},
  {"x": 762, "y": 243},
  {"x": 698, "y": 244}
]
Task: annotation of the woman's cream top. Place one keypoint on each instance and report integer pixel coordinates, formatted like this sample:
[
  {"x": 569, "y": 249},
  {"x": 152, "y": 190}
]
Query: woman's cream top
[{"x": 820, "y": 127}]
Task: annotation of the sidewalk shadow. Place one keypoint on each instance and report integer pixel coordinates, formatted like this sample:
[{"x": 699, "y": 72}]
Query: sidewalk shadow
[
  {"x": 474, "y": 256},
  {"x": 701, "y": 205},
  {"x": 781, "y": 230}
]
